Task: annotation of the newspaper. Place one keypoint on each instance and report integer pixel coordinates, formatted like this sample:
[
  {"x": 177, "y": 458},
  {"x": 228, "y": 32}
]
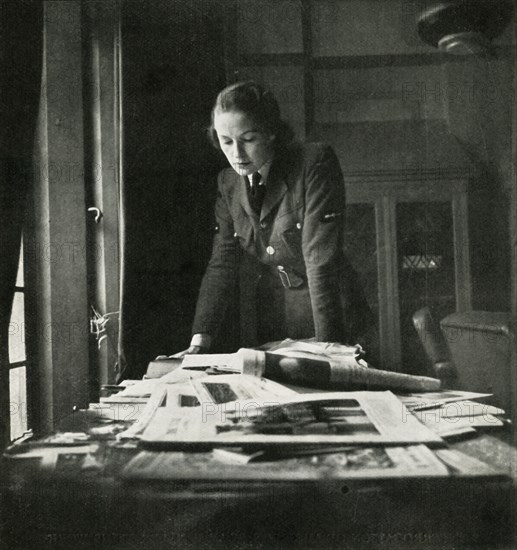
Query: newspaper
[
  {"x": 453, "y": 413},
  {"x": 227, "y": 388},
  {"x": 301, "y": 419},
  {"x": 157, "y": 399},
  {"x": 466, "y": 465},
  {"x": 54, "y": 456},
  {"x": 225, "y": 362},
  {"x": 200, "y": 388},
  {"x": 118, "y": 412},
  {"x": 435, "y": 420},
  {"x": 138, "y": 388},
  {"x": 352, "y": 463},
  {"x": 455, "y": 409},
  {"x": 430, "y": 400}
]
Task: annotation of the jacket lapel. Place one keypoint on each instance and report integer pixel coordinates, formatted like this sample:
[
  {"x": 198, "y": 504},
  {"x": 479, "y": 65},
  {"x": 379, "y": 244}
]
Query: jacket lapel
[
  {"x": 276, "y": 188},
  {"x": 243, "y": 194}
]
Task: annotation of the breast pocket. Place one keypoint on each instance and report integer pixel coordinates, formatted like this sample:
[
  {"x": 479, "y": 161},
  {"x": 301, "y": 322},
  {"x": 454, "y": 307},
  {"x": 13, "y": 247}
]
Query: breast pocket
[{"x": 292, "y": 239}]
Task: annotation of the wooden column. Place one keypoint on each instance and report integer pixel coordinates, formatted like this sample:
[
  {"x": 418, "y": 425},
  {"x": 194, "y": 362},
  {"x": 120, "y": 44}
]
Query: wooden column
[
  {"x": 461, "y": 251},
  {"x": 389, "y": 310}
]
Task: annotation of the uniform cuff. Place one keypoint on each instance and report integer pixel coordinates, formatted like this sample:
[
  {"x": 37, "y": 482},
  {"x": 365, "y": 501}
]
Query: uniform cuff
[{"x": 202, "y": 340}]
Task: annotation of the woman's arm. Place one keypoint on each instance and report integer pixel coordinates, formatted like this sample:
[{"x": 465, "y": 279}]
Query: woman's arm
[
  {"x": 221, "y": 276},
  {"x": 322, "y": 244}
]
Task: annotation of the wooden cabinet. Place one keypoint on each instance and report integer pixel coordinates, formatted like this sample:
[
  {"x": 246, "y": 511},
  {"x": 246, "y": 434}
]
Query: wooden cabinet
[{"x": 421, "y": 254}]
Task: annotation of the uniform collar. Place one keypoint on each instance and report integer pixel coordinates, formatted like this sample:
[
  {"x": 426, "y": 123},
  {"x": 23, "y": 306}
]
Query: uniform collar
[
  {"x": 276, "y": 189},
  {"x": 263, "y": 171}
]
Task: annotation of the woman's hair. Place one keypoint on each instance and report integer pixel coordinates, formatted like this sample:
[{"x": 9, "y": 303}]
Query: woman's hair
[{"x": 259, "y": 104}]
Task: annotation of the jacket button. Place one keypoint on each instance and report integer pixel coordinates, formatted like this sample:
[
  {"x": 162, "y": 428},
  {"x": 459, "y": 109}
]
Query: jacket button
[
  {"x": 270, "y": 250},
  {"x": 235, "y": 234},
  {"x": 298, "y": 225}
]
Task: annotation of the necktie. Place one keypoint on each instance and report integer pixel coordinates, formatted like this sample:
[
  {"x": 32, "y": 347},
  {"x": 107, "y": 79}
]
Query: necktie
[{"x": 256, "y": 192}]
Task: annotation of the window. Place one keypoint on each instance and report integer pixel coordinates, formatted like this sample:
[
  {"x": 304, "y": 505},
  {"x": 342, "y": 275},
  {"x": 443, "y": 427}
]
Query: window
[{"x": 18, "y": 360}]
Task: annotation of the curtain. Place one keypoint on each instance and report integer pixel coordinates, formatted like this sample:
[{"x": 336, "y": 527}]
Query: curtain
[
  {"x": 171, "y": 75},
  {"x": 21, "y": 31}
]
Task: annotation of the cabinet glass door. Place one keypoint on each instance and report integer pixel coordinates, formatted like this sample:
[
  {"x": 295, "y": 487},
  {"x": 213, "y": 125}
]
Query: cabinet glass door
[{"x": 426, "y": 271}]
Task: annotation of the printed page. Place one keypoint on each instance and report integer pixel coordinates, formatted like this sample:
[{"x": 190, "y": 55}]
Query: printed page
[
  {"x": 353, "y": 463},
  {"x": 227, "y": 388},
  {"x": 325, "y": 418},
  {"x": 431, "y": 399}
]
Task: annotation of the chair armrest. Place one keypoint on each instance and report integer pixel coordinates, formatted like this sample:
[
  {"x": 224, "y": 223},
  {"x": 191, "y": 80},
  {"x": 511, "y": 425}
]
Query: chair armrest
[
  {"x": 434, "y": 344},
  {"x": 480, "y": 345}
]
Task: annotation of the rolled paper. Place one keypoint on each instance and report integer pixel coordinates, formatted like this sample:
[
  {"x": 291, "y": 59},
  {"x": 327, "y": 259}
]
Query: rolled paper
[
  {"x": 328, "y": 373},
  {"x": 370, "y": 378},
  {"x": 250, "y": 361}
]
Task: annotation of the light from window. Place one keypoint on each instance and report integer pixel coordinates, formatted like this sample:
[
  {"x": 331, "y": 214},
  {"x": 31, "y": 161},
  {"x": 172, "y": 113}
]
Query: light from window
[
  {"x": 17, "y": 329},
  {"x": 18, "y": 401},
  {"x": 17, "y": 359}
]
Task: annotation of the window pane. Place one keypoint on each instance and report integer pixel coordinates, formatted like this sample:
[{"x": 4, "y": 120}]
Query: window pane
[
  {"x": 17, "y": 330},
  {"x": 18, "y": 401}
]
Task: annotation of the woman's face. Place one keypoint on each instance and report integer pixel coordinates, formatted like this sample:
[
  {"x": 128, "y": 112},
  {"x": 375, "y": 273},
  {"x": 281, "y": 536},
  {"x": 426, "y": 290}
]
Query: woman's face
[{"x": 246, "y": 146}]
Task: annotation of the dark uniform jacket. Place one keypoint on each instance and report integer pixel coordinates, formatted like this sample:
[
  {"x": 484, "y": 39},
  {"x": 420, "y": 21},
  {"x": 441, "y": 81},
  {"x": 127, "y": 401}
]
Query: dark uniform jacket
[{"x": 300, "y": 283}]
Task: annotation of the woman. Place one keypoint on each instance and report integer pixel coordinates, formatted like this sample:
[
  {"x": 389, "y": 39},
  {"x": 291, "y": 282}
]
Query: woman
[{"x": 282, "y": 203}]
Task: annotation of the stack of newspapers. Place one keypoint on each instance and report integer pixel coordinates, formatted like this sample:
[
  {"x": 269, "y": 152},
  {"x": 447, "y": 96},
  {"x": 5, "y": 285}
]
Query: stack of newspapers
[{"x": 221, "y": 416}]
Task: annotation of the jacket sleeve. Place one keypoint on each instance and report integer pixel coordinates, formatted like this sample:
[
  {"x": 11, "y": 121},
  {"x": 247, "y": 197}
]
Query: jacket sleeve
[
  {"x": 322, "y": 237},
  {"x": 221, "y": 275}
]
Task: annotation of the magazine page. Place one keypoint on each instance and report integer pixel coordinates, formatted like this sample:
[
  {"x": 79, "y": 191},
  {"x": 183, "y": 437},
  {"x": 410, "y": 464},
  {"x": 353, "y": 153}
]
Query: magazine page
[
  {"x": 202, "y": 390},
  {"x": 437, "y": 422},
  {"x": 157, "y": 399},
  {"x": 466, "y": 465},
  {"x": 353, "y": 463},
  {"x": 316, "y": 418},
  {"x": 432, "y": 399},
  {"x": 140, "y": 388},
  {"x": 52, "y": 456},
  {"x": 455, "y": 409},
  {"x": 228, "y": 362},
  {"x": 227, "y": 388},
  {"x": 181, "y": 375}
]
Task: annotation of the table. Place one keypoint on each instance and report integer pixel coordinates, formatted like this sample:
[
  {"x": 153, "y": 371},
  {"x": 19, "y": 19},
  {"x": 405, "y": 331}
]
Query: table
[{"x": 96, "y": 509}]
